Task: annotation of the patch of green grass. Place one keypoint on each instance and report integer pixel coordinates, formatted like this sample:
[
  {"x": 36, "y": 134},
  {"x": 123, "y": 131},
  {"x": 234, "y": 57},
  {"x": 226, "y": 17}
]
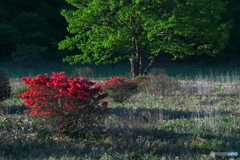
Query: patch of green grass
[{"x": 19, "y": 90}]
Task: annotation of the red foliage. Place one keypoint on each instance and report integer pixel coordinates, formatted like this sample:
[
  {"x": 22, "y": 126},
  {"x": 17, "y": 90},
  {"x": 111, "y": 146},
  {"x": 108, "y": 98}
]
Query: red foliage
[
  {"x": 59, "y": 95},
  {"x": 111, "y": 81}
]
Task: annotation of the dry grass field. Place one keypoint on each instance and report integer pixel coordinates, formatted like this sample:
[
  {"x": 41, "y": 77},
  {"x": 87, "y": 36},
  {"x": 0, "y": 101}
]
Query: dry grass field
[{"x": 202, "y": 116}]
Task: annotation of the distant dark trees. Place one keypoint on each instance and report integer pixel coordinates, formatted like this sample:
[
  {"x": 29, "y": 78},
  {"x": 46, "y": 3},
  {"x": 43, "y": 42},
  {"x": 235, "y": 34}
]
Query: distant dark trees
[
  {"x": 26, "y": 26},
  {"x": 233, "y": 13}
]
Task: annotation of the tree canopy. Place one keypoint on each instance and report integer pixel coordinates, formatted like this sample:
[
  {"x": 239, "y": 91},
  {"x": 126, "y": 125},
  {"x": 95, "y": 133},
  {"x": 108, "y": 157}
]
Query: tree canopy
[{"x": 107, "y": 31}]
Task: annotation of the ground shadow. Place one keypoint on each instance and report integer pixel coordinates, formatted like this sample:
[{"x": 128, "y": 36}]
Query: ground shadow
[
  {"x": 167, "y": 143},
  {"x": 122, "y": 140}
]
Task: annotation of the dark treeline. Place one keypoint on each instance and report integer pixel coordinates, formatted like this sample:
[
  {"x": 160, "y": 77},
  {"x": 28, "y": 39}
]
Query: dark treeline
[
  {"x": 230, "y": 55},
  {"x": 31, "y": 30},
  {"x": 233, "y": 12}
]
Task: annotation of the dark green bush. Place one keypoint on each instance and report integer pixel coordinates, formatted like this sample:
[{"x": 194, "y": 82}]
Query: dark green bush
[
  {"x": 157, "y": 71},
  {"x": 5, "y": 89},
  {"x": 142, "y": 78},
  {"x": 160, "y": 85},
  {"x": 120, "y": 92}
]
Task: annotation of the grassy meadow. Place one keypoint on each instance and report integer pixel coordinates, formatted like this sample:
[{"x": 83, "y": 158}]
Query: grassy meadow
[{"x": 203, "y": 115}]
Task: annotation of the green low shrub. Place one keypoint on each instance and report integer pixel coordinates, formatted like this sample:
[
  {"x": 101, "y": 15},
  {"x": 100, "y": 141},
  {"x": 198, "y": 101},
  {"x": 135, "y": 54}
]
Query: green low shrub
[
  {"x": 119, "y": 89},
  {"x": 140, "y": 79},
  {"x": 160, "y": 85},
  {"x": 120, "y": 92}
]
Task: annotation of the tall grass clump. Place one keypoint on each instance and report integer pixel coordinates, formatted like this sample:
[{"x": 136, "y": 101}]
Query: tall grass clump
[
  {"x": 217, "y": 84},
  {"x": 83, "y": 72}
]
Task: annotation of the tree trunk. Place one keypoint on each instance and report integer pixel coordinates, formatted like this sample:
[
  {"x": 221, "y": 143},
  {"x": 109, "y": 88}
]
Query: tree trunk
[
  {"x": 132, "y": 67},
  {"x": 148, "y": 67},
  {"x": 137, "y": 66},
  {"x": 136, "y": 61},
  {"x": 140, "y": 67}
]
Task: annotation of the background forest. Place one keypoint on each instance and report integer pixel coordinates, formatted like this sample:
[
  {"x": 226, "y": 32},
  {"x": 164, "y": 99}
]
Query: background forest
[{"x": 30, "y": 32}]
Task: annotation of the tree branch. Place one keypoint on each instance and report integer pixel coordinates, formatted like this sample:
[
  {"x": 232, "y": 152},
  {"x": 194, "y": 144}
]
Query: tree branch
[{"x": 148, "y": 67}]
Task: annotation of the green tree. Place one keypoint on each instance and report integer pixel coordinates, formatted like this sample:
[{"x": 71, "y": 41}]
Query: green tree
[{"x": 143, "y": 29}]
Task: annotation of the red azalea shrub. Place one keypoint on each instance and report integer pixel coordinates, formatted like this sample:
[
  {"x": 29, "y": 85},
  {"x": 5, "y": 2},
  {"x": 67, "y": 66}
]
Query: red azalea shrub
[
  {"x": 66, "y": 103},
  {"x": 111, "y": 81},
  {"x": 119, "y": 89}
]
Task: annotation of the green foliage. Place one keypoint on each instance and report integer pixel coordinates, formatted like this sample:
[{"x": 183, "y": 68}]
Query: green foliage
[
  {"x": 20, "y": 90},
  {"x": 28, "y": 53},
  {"x": 5, "y": 89},
  {"x": 140, "y": 78},
  {"x": 143, "y": 30},
  {"x": 83, "y": 72}
]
